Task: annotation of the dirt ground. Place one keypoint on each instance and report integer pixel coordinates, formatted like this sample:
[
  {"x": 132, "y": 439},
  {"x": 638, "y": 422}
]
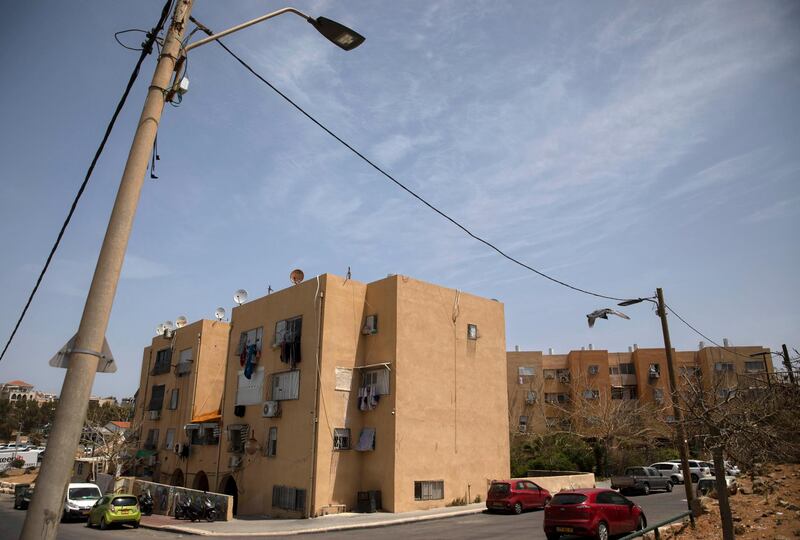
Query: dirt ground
[{"x": 772, "y": 512}]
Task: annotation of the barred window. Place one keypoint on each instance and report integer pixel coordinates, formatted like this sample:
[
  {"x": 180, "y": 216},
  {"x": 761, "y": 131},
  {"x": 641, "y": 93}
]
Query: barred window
[
  {"x": 428, "y": 490},
  {"x": 341, "y": 438},
  {"x": 288, "y": 498}
]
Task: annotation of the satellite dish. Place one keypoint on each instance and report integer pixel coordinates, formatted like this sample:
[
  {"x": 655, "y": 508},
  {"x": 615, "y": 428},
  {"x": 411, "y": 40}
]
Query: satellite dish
[
  {"x": 240, "y": 296},
  {"x": 169, "y": 325},
  {"x": 160, "y": 329},
  {"x": 296, "y": 276},
  {"x": 219, "y": 313},
  {"x": 181, "y": 321}
]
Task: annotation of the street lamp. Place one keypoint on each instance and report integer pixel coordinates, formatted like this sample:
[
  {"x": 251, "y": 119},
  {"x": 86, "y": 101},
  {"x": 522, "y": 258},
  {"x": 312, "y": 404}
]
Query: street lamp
[{"x": 41, "y": 520}]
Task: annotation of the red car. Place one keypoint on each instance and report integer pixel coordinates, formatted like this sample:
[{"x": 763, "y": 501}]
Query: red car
[
  {"x": 515, "y": 496},
  {"x": 592, "y": 512}
]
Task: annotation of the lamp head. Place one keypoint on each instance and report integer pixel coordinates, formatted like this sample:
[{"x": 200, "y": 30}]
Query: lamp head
[{"x": 339, "y": 34}]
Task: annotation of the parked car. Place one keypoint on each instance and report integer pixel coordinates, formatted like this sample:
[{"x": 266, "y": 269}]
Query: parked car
[
  {"x": 80, "y": 499},
  {"x": 115, "y": 509},
  {"x": 22, "y": 496},
  {"x": 709, "y": 484},
  {"x": 641, "y": 479},
  {"x": 515, "y": 495},
  {"x": 597, "y": 512},
  {"x": 731, "y": 469},
  {"x": 673, "y": 470},
  {"x": 697, "y": 470}
]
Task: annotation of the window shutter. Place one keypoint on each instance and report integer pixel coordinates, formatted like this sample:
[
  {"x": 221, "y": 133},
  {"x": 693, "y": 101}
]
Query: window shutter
[{"x": 250, "y": 391}]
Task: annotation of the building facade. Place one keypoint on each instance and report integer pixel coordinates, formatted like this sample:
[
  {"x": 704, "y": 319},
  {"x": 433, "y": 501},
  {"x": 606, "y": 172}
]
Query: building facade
[
  {"x": 177, "y": 410},
  {"x": 340, "y": 393},
  {"x": 555, "y": 391},
  {"x": 14, "y": 391}
]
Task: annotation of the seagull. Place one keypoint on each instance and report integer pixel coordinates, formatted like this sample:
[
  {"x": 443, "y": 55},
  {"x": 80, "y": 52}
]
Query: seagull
[{"x": 603, "y": 314}]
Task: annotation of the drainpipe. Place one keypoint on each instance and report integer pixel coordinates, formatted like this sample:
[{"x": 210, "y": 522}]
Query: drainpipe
[{"x": 315, "y": 423}]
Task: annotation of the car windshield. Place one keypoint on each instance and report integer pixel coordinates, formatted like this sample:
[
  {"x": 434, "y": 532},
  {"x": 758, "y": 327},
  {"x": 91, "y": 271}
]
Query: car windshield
[
  {"x": 124, "y": 501},
  {"x": 569, "y": 498},
  {"x": 499, "y": 489},
  {"x": 84, "y": 493}
]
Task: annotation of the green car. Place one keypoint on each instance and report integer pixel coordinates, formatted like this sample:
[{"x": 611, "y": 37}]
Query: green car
[{"x": 115, "y": 509}]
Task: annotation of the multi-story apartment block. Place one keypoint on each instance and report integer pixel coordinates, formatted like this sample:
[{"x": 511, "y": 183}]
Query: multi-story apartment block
[
  {"x": 340, "y": 393},
  {"x": 554, "y": 391},
  {"x": 178, "y": 407},
  {"x": 14, "y": 391}
]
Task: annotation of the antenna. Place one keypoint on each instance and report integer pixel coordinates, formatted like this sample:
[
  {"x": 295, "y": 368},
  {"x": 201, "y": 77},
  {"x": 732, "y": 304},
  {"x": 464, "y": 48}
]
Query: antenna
[
  {"x": 181, "y": 321},
  {"x": 240, "y": 296},
  {"x": 296, "y": 276},
  {"x": 219, "y": 313}
]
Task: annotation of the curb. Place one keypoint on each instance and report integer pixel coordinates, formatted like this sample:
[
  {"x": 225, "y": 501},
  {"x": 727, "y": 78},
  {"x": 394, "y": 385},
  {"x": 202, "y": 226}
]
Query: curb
[{"x": 295, "y": 532}]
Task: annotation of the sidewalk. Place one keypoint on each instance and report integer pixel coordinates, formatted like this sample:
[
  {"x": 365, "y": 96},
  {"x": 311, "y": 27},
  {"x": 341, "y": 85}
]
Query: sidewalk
[{"x": 283, "y": 527}]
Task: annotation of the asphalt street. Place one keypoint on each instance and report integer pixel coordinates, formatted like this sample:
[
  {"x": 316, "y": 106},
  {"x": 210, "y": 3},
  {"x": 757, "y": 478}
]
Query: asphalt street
[{"x": 657, "y": 506}]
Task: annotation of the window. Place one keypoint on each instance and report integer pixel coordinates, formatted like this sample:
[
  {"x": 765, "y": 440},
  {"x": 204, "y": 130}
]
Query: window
[
  {"x": 250, "y": 337},
  {"x": 472, "y": 331},
  {"x": 286, "y": 385},
  {"x": 690, "y": 372},
  {"x": 272, "y": 442},
  {"x": 207, "y": 433},
  {"x": 551, "y": 421},
  {"x": 173, "y": 399},
  {"x": 250, "y": 391},
  {"x": 591, "y": 394},
  {"x": 523, "y": 424},
  {"x": 594, "y": 369},
  {"x": 654, "y": 371},
  {"x": 428, "y": 490},
  {"x": 237, "y": 437},
  {"x": 163, "y": 359},
  {"x": 754, "y": 366},
  {"x": 724, "y": 367},
  {"x": 563, "y": 375},
  {"x": 289, "y": 498},
  {"x": 156, "y": 398},
  {"x": 658, "y": 395},
  {"x": 370, "y": 325},
  {"x": 530, "y": 399},
  {"x": 378, "y": 380},
  {"x": 341, "y": 438},
  {"x": 627, "y": 369},
  {"x": 366, "y": 440},
  {"x": 549, "y": 373},
  {"x": 613, "y": 370},
  {"x": 169, "y": 440},
  {"x": 151, "y": 443},
  {"x": 526, "y": 371},
  {"x": 288, "y": 331},
  {"x": 623, "y": 392},
  {"x": 184, "y": 366}
]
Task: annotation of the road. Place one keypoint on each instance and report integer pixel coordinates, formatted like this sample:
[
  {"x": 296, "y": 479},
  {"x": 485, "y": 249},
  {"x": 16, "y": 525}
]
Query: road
[{"x": 657, "y": 506}]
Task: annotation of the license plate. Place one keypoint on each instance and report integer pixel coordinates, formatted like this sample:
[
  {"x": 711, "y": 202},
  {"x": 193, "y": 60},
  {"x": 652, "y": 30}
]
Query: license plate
[
  {"x": 85, "y": 512},
  {"x": 498, "y": 505},
  {"x": 124, "y": 511},
  {"x": 564, "y": 529}
]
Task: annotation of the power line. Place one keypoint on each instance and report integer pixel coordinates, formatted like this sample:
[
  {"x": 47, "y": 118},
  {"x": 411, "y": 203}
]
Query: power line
[
  {"x": 403, "y": 186},
  {"x": 147, "y": 48},
  {"x": 699, "y": 333}
]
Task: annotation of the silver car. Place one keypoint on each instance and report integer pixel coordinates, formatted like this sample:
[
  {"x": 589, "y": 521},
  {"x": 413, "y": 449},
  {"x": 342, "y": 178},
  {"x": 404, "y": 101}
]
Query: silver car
[{"x": 673, "y": 470}]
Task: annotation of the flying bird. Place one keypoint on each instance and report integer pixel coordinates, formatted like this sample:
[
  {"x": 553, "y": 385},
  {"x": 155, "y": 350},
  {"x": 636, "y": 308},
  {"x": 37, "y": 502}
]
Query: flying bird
[{"x": 603, "y": 314}]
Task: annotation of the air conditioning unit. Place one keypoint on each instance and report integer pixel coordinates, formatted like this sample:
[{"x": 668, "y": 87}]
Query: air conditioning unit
[
  {"x": 178, "y": 448},
  {"x": 594, "y": 370},
  {"x": 523, "y": 428},
  {"x": 530, "y": 399},
  {"x": 563, "y": 378},
  {"x": 272, "y": 409},
  {"x": 155, "y": 415},
  {"x": 234, "y": 462}
]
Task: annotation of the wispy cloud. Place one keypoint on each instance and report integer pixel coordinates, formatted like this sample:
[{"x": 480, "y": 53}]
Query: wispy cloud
[
  {"x": 136, "y": 267},
  {"x": 776, "y": 210}
]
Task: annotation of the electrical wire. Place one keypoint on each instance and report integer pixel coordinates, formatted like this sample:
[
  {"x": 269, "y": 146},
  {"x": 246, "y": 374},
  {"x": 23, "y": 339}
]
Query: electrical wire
[
  {"x": 145, "y": 51},
  {"x": 406, "y": 188}
]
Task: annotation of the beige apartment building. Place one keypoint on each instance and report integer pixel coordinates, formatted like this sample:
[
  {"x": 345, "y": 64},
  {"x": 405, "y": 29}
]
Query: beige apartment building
[
  {"x": 553, "y": 391},
  {"x": 177, "y": 411},
  {"x": 342, "y": 395}
]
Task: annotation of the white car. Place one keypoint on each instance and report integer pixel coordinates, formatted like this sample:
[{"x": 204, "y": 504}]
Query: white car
[
  {"x": 80, "y": 499},
  {"x": 673, "y": 470},
  {"x": 696, "y": 468}
]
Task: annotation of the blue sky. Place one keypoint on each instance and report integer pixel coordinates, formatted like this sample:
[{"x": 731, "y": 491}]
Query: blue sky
[{"x": 618, "y": 146}]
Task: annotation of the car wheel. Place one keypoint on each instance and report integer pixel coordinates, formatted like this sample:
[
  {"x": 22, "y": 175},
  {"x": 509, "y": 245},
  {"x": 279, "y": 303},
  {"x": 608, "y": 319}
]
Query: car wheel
[
  {"x": 602, "y": 531},
  {"x": 103, "y": 524},
  {"x": 646, "y": 489},
  {"x": 518, "y": 508},
  {"x": 552, "y": 536},
  {"x": 669, "y": 487},
  {"x": 695, "y": 478},
  {"x": 674, "y": 480},
  {"x": 135, "y": 524},
  {"x": 642, "y": 524}
]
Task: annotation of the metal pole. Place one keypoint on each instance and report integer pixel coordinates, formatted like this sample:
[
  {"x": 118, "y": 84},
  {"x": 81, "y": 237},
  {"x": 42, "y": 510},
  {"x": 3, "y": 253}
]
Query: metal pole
[
  {"x": 787, "y": 361},
  {"x": 683, "y": 447},
  {"x": 42, "y": 519}
]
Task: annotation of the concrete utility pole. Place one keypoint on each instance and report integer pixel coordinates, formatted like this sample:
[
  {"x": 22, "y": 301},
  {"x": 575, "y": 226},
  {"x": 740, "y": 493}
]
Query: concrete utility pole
[
  {"x": 44, "y": 514},
  {"x": 683, "y": 447},
  {"x": 787, "y": 362}
]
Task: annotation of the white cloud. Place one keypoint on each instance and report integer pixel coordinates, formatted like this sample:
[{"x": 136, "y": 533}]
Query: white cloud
[{"x": 136, "y": 267}]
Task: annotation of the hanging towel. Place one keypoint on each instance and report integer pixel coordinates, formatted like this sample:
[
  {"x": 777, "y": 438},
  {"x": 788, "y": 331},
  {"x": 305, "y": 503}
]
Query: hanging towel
[
  {"x": 366, "y": 441},
  {"x": 251, "y": 360}
]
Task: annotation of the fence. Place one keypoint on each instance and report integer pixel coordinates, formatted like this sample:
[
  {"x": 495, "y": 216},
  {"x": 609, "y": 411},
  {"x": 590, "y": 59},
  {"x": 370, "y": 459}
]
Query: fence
[{"x": 655, "y": 527}]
